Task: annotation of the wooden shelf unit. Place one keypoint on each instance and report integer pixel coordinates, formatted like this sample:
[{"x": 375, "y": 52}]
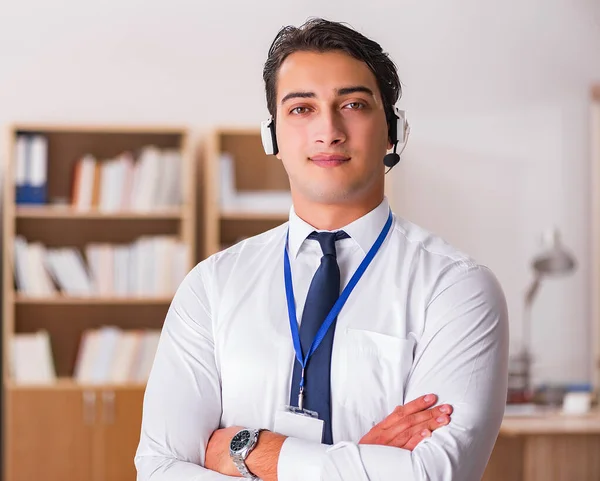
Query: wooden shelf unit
[
  {"x": 66, "y": 383},
  {"x": 101, "y": 422},
  {"x": 59, "y": 212},
  {"x": 70, "y": 300},
  {"x": 254, "y": 171}
]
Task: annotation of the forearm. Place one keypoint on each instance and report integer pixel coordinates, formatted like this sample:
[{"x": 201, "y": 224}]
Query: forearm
[{"x": 264, "y": 458}]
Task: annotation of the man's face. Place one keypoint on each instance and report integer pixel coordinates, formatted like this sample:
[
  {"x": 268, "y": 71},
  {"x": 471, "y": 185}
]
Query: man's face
[{"x": 331, "y": 128}]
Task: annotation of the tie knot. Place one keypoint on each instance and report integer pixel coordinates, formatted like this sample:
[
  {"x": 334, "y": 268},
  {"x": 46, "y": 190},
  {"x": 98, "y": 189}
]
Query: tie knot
[{"x": 327, "y": 240}]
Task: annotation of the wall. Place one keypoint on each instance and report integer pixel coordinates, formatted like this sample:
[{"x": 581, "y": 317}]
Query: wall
[{"x": 497, "y": 94}]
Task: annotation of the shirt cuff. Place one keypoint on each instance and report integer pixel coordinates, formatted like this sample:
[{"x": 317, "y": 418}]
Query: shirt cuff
[{"x": 300, "y": 460}]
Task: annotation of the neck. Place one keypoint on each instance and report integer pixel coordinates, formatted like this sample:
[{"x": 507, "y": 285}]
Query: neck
[{"x": 333, "y": 216}]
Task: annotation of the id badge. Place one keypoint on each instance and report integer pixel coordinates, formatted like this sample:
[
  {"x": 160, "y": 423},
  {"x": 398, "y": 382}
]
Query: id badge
[{"x": 299, "y": 423}]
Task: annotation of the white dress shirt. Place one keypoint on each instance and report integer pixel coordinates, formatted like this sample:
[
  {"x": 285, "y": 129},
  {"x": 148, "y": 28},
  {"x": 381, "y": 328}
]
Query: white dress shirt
[{"x": 424, "y": 318}]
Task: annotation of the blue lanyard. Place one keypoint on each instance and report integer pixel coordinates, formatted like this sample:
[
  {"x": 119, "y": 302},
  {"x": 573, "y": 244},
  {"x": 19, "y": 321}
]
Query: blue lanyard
[{"x": 337, "y": 307}]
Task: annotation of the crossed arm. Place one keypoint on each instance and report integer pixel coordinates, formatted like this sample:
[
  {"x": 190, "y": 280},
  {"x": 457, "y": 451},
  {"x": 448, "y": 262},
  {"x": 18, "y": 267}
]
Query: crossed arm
[
  {"x": 461, "y": 356},
  {"x": 404, "y": 428}
]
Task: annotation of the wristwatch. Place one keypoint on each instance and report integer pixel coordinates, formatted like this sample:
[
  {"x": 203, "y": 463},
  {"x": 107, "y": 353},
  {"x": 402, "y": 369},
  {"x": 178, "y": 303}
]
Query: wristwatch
[{"x": 240, "y": 447}]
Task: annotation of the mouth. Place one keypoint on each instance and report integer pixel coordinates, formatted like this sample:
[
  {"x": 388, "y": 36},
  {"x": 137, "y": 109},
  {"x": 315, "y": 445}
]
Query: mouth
[{"x": 329, "y": 160}]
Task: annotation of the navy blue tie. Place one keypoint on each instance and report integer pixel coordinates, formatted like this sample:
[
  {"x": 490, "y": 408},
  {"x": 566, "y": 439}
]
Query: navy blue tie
[{"x": 324, "y": 290}]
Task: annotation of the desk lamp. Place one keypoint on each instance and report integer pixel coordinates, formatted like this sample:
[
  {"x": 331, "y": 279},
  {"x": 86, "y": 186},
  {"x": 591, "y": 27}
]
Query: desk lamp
[{"x": 553, "y": 260}]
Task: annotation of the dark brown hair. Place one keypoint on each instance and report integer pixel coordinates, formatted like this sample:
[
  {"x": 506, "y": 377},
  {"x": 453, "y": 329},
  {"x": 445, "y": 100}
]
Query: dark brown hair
[{"x": 321, "y": 35}]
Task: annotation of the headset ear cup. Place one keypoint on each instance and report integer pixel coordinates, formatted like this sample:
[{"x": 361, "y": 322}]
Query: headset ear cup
[
  {"x": 397, "y": 135},
  {"x": 397, "y": 126},
  {"x": 400, "y": 126}
]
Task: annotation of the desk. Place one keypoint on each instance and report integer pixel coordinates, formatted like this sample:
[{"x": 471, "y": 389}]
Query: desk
[{"x": 548, "y": 447}]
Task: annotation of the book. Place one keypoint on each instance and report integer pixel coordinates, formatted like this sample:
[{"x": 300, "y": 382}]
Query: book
[
  {"x": 21, "y": 153},
  {"x": 31, "y": 175},
  {"x": 31, "y": 358}
]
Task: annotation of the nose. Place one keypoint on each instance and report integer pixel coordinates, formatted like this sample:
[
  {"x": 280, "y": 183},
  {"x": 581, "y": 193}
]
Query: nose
[{"x": 329, "y": 129}]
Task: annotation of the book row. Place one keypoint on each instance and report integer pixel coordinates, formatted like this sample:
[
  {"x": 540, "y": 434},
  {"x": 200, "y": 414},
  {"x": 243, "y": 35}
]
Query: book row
[
  {"x": 106, "y": 355},
  {"x": 151, "y": 266},
  {"x": 146, "y": 180},
  {"x": 150, "y": 182}
]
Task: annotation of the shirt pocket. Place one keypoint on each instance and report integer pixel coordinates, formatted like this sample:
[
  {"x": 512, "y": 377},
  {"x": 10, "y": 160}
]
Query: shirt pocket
[{"x": 376, "y": 367}]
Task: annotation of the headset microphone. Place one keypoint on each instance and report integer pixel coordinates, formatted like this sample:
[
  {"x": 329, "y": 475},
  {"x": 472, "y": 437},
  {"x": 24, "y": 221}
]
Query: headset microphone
[{"x": 391, "y": 159}]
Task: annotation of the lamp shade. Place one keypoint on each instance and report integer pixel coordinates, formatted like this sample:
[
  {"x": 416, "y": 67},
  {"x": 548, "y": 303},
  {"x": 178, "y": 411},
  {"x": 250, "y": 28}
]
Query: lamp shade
[{"x": 555, "y": 259}]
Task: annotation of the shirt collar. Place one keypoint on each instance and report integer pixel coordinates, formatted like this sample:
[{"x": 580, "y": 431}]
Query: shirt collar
[{"x": 364, "y": 230}]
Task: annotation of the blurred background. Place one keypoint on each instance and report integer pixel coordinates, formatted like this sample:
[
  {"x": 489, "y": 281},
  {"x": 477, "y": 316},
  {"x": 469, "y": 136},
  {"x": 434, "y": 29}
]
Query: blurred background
[{"x": 499, "y": 96}]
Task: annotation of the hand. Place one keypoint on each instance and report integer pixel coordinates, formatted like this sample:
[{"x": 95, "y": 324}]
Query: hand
[
  {"x": 408, "y": 425},
  {"x": 217, "y": 452}
]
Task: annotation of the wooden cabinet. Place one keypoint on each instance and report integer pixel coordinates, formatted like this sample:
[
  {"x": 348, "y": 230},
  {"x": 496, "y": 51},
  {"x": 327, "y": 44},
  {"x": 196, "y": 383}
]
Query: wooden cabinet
[
  {"x": 49, "y": 435},
  {"x": 72, "y": 433}
]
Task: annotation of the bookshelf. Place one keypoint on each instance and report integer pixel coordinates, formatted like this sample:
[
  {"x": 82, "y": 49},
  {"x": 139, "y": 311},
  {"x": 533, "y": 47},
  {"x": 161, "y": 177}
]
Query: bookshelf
[
  {"x": 253, "y": 171},
  {"x": 595, "y": 233},
  {"x": 74, "y": 429}
]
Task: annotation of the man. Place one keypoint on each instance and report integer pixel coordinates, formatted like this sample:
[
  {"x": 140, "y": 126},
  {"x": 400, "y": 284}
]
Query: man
[{"x": 416, "y": 320}]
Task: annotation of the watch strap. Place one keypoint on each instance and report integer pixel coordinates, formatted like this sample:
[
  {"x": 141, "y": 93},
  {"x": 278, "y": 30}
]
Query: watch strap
[{"x": 240, "y": 464}]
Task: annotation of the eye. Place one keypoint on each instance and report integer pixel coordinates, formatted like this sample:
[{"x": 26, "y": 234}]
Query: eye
[
  {"x": 355, "y": 106},
  {"x": 299, "y": 110}
]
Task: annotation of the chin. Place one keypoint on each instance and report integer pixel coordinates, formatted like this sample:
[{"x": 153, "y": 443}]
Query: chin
[{"x": 332, "y": 195}]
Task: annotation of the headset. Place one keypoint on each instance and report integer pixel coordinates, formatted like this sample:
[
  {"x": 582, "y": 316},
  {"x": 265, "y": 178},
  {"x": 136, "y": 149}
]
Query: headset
[{"x": 398, "y": 128}]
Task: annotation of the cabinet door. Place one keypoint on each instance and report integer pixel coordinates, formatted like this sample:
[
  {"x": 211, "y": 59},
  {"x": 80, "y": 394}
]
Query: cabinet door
[
  {"x": 121, "y": 415},
  {"x": 49, "y": 434}
]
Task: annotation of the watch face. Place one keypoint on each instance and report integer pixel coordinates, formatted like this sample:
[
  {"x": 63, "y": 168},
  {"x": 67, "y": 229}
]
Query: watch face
[{"x": 240, "y": 440}]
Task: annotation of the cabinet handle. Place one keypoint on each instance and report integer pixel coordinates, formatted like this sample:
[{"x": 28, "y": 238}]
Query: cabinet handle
[
  {"x": 108, "y": 404},
  {"x": 89, "y": 407}
]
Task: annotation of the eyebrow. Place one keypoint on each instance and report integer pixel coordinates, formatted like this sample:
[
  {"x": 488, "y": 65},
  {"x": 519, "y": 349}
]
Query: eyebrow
[
  {"x": 355, "y": 89},
  {"x": 339, "y": 92}
]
